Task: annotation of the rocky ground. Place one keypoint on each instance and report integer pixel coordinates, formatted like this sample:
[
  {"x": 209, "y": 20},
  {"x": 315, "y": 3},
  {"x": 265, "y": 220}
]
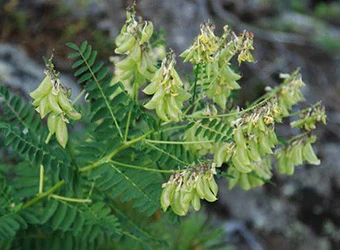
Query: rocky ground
[{"x": 298, "y": 212}]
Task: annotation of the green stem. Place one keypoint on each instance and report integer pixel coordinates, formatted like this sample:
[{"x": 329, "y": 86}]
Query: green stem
[
  {"x": 166, "y": 153},
  {"x": 257, "y": 103},
  {"x": 79, "y": 96},
  {"x": 102, "y": 94},
  {"x": 62, "y": 198},
  {"x": 127, "y": 126},
  {"x": 48, "y": 138},
  {"x": 195, "y": 83},
  {"x": 173, "y": 128},
  {"x": 41, "y": 179},
  {"x": 177, "y": 142},
  {"x": 298, "y": 136},
  {"x": 109, "y": 156},
  {"x": 303, "y": 110},
  {"x": 192, "y": 106},
  {"x": 43, "y": 195},
  {"x": 143, "y": 168}
]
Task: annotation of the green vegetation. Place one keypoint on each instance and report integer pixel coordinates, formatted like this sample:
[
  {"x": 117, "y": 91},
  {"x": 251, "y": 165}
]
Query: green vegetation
[{"x": 104, "y": 185}]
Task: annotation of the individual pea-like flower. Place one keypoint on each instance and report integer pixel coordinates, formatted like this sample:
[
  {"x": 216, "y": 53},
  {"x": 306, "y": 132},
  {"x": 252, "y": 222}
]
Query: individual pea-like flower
[
  {"x": 188, "y": 187},
  {"x": 52, "y": 98},
  {"x": 138, "y": 66},
  {"x": 168, "y": 93}
]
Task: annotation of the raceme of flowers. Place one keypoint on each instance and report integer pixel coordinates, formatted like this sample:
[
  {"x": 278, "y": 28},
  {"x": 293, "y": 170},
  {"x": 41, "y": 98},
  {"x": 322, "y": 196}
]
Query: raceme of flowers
[
  {"x": 133, "y": 42},
  {"x": 52, "y": 98},
  {"x": 216, "y": 132},
  {"x": 187, "y": 187},
  {"x": 168, "y": 93},
  {"x": 212, "y": 54}
]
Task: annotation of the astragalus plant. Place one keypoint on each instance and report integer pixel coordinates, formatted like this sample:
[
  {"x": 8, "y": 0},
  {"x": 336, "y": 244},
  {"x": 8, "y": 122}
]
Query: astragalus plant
[{"x": 149, "y": 144}]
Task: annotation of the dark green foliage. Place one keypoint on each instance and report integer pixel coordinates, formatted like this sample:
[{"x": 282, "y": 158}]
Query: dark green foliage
[
  {"x": 169, "y": 156},
  {"x": 127, "y": 184},
  {"x": 215, "y": 129},
  {"x": 103, "y": 189},
  {"x": 24, "y": 134}
]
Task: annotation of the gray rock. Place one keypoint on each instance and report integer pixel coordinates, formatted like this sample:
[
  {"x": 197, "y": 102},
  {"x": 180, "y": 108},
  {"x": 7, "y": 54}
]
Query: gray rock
[{"x": 19, "y": 72}]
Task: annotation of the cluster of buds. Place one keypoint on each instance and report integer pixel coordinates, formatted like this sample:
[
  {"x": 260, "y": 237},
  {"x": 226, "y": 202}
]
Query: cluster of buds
[
  {"x": 289, "y": 92},
  {"x": 250, "y": 148},
  {"x": 296, "y": 153},
  {"x": 205, "y": 46},
  {"x": 167, "y": 89},
  {"x": 310, "y": 117},
  {"x": 244, "y": 44},
  {"x": 52, "y": 98},
  {"x": 253, "y": 137},
  {"x": 263, "y": 115},
  {"x": 132, "y": 41},
  {"x": 188, "y": 187},
  {"x": 252, "y": 143},
  {"x": 214, "y": 54}
]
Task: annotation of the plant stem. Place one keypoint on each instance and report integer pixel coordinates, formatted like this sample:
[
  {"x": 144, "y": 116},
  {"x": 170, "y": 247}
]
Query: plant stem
[
  {"x": 109, "y": 156},
  {"x": 127, "y": 126},
  {"x": 43, "y": 195},
  {"x": 79, "y": 96},
  {"x": 257, "y": 103},
  {"x": 143, "y": 168},
  {"x": 168, "y": 154},
  {"x": 173, "y": 128},
  {"x": 48, "y": 138},
  {"x": 41, "y": 179},
  {"x": 177, "y": 142},
  {"x": 298, "y": 136},
  {"x": 102, "y": 94},
  {"x": 303, "y": 110},
  {"x": 62, "y": 198},
  {"x": 195, "y": 83}
]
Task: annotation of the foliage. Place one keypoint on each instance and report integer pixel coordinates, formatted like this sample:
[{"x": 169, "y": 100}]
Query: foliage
[{"x": 104, "y": 186}]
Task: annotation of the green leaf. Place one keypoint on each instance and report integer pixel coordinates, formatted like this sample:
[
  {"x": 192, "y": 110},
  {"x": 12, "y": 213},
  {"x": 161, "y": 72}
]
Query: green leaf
[
  {"x": 52, "y": 206},
  {"x": 80, "y": 71},
  {"x": 84, "y": 78},
  {"x": 92, "y": 59},
  {"x": 97, "y": 67},
  {"x": 72, "y": 46},
  {"x": 59, "y": 216},
  {"x": 83, "y": 46},
  {"x": 73, "y": 55},
  {"x": 87, "y": 53},
  {"x": 101, "y": 75},
  {"x": 77, "y": 63}
]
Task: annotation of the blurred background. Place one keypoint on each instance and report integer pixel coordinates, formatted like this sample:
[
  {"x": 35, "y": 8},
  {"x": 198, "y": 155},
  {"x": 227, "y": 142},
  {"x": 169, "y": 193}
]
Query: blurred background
[{"x": 297, "y": 212}]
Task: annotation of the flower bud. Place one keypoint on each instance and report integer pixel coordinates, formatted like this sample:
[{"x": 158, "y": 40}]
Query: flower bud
[
  {"x": 61, "y": 132},
  {"x": 147, "y": 32}
]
